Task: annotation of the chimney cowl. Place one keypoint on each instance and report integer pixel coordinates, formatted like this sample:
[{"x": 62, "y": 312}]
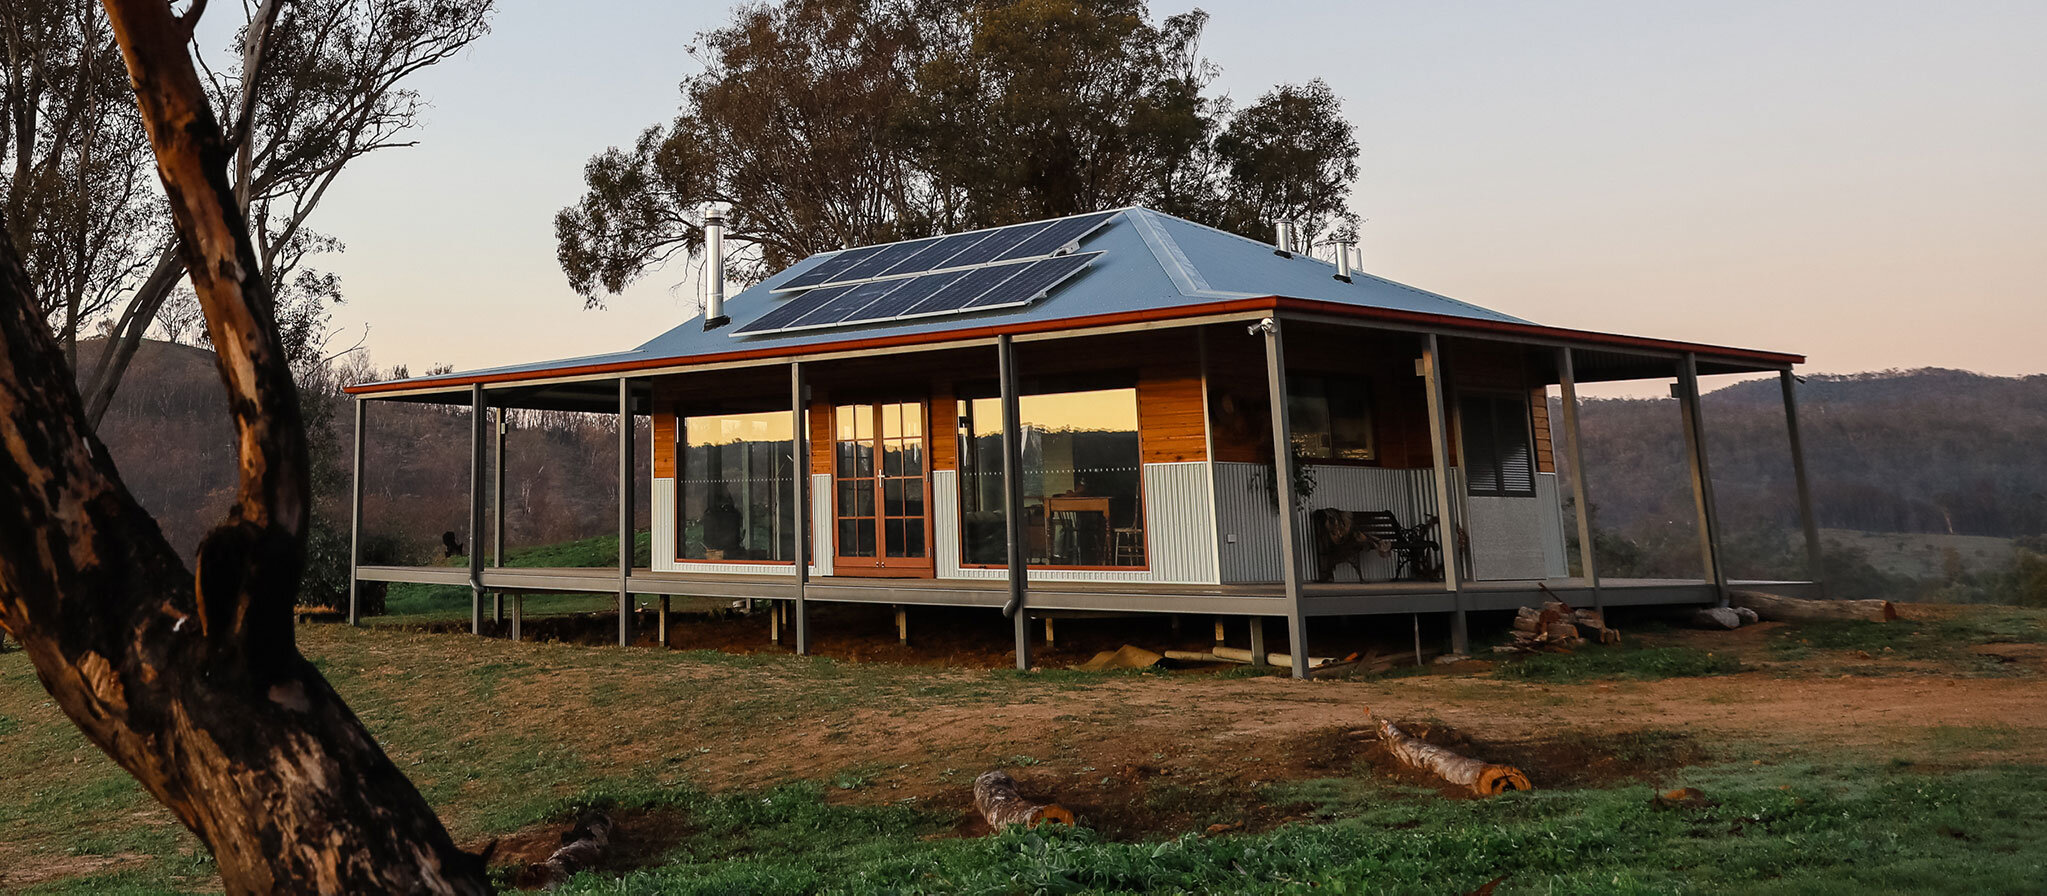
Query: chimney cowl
[{"x": 1283, "y": 239}]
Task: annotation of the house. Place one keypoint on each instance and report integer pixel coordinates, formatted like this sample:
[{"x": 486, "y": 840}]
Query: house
[{"x": 1080, "y": 415}]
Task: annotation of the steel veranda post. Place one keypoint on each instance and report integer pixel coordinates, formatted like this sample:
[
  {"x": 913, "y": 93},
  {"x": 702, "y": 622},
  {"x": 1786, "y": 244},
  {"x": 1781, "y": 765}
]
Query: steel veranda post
[
  {"x": 625, "y": 511},
  {"x": 1012, "y": 500},
  {"x": 1702, "y": 474},
  {"x": 497, "y": 509},
  {"x": 355, "y": 516},
  {"x": 478, "y": 418},
  {"x": 1815, "y": 568},
  {"x": 1567, "y": 387},
  {"x": 1283, "y": 487},
  {"x": 1446, "y": 523},
  {"x": 800, "y": 444}
]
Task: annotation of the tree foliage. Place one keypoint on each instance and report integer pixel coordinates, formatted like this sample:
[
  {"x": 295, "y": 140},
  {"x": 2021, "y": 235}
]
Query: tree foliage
[
  {"x": 77, "y": 191},
  {"x": 823, "y": 124}
]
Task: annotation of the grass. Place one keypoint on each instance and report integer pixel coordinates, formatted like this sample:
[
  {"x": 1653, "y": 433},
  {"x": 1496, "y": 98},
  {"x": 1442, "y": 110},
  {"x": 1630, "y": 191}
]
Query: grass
[
  {"x": 501, "y": 737},
  {"x": 411, "y": 603},
  {"x": 1945, "y": 640},
  {"x": 1791, "y": 828},
  {"x": 1640, "y": 663}
]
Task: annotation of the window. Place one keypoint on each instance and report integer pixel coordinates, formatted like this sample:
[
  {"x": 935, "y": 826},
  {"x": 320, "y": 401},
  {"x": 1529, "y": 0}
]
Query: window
[
  {"x": 737, "y": 487},
  {"x": 1331, "y": 417},
  {"x": 1081, "y": 479},
  {"x": 1498, "y": 457}
]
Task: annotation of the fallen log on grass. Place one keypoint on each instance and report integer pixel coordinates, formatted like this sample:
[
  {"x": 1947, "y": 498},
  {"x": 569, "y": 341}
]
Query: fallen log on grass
[
  {"x": 1483, "y": 778},
  {"x": 1792, "y": 609},
  {"x": 583, "y": 847},
  {"x": 996, "y": 798}
]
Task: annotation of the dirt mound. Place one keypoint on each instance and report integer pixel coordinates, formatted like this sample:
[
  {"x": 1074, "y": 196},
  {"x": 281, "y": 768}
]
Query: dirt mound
[
  {"x": 1574, "y": 760},
  {"x": 639, "y": 839}
]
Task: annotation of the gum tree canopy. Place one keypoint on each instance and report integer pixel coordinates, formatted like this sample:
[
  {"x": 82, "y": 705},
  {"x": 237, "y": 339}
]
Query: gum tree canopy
[
  {"x": 829, "y": 123},
  {"x": 193, "y": 682}
]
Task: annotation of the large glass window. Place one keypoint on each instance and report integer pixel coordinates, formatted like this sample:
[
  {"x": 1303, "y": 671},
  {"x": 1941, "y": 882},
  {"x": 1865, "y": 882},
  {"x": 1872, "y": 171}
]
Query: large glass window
[
  {"x": 737, "y": 487},
  {"x": 1331, "y": 417},
  {"x": 1081, "y": 479}
]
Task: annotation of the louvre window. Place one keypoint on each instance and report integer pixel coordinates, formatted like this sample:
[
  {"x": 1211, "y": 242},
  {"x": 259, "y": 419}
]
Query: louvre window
[{"x": 1499, "y": 459}]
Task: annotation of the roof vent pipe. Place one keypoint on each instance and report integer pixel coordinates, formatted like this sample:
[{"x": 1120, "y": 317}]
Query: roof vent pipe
[
  {"x": 1343, "y": 262},
  {"x": 714, "y": 268},
  {"x": 1283, "y": 239}
]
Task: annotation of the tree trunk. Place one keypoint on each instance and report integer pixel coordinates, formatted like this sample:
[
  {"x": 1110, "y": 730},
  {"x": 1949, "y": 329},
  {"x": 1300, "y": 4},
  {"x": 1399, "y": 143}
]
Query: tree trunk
[
  {"x": 1791, "y": 609},
  {"x": 996, "y": 798},
  {"x": 1483, "y": 778},
  {"x": 194, "y": 683},
  {"x": 120, "y": 347}
]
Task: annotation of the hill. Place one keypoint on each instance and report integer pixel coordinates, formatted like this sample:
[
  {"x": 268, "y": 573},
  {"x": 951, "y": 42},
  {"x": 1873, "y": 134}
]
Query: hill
[
  {"x": 169, "y": 434},
  {"x": 1926, "y": 451}
]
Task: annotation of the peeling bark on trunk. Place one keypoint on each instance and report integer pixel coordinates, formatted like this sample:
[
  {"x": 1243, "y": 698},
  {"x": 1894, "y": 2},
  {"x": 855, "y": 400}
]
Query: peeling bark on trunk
[
  {"x": 193, "y": 683},
  {"x": 996, "y": 798}
]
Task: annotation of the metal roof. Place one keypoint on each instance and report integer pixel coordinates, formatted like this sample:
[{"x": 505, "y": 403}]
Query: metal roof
[{"x": 1151, "y": 264}]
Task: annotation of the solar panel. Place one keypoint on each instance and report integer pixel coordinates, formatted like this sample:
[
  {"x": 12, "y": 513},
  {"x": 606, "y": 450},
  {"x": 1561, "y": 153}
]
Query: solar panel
[
  {"x": 1061, "y": 232},
  {"x": 905, "y": 297},
  {"x": 998, "y": 242},
  {"x": 1035, "y": 279},
  {"x": 788, "y": 312},
  {"x": 846, "y": 304},
  {"x": 956, "y": 295},
  {"x": 946, "y": 292},
  {"x": 934, "y": 257},
  {"x": 890, "y": 255},
  {"x": 964, "y": 250},
  {"x": 829, "y": 269}
]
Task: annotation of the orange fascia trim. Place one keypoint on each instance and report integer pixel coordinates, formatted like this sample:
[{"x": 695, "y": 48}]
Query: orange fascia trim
[{"x": 1267, "y": 303}]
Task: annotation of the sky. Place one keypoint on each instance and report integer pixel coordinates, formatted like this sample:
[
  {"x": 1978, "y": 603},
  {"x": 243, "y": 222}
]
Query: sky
[{"x": 1861, "y": 182}]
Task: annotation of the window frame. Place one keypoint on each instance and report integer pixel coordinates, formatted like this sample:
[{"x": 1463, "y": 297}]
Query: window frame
[
  {"x": 1371, "y": 421},
  {"x": 1494, "y": 398},
  {"x": 682, "y": 449},
  {"x": 964, "y": 393}
]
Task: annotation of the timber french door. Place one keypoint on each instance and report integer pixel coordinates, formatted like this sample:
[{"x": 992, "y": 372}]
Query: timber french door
[{"x": 881, "y": 494}]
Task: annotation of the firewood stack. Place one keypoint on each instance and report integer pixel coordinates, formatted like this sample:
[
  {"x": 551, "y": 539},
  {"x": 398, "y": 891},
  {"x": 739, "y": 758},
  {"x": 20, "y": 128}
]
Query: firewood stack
[{"x": 1556, "y": 627}]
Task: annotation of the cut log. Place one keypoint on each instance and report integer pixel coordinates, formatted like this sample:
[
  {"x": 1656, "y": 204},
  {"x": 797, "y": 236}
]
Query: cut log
[
  {"x": 1791, "y": 609},
  {"x": 1483, "y": 778},
  {"x": 583, "y": 847},
  {"x": 1240, "y": 655},
  {"x": 996, "y": 798},
  {"x": 1193, "y": 656}
]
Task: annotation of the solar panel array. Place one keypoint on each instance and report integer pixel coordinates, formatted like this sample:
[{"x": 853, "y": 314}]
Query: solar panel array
[
  {"x": 1002, "y": 285},
  {"x": 942, "y": 253}
]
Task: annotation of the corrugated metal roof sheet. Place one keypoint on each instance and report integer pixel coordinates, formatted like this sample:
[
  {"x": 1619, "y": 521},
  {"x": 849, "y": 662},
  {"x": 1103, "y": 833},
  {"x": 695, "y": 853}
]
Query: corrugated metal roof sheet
[{"x": 1151, "y": 262}]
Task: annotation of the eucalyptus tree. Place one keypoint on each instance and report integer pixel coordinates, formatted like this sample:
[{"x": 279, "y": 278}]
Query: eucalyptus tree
[
  {"x": 827, "y": 123},
  {"x": 310, "y": 86},
  {"x": 191, "y": 680}
]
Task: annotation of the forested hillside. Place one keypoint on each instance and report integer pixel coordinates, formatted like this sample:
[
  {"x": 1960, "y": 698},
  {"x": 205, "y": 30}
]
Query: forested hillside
[
  {"x": 168, "y": 431},
  {"x": 1937, "y": 451}
]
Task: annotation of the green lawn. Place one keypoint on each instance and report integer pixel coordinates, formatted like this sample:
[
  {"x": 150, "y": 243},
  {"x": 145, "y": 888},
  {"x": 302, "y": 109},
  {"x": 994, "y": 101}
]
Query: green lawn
[
  {"x": 504, "y": 738},
  {"x": 1796, "y": 828},
  {"x": 408, "y": 603}
]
